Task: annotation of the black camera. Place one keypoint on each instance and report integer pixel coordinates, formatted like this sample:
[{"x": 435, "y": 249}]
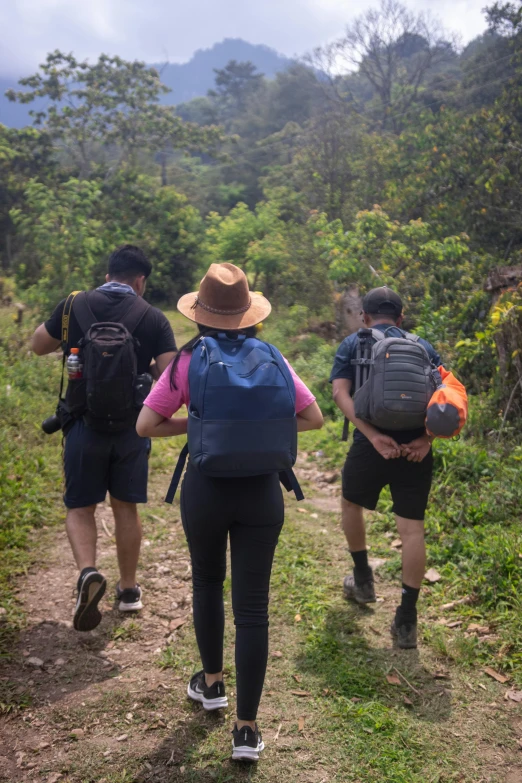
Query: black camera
[{"x": 51, "y": 424}]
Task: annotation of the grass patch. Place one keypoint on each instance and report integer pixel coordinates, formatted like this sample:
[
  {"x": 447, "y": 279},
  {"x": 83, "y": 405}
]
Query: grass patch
[{"x": 30, "y": 461}]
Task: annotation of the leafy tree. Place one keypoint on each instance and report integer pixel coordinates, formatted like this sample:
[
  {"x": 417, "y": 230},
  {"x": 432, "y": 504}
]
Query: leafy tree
[
  {"x": 459, "y": 171},
  {"x": 393, "y": 50},
  {"x": 69, "y": 231},
  {"x": 24, "y": 154},
  {"x": 111, "y": 106},
  {"x": 280, "y": 257},
  {"x": 63, "y": 237},
  {"x": 381, "y": 251},
  {"x": 235, "y": 84}
]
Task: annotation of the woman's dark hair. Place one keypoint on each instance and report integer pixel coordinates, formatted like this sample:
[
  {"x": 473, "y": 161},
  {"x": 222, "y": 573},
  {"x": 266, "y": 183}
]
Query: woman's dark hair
[
  {"x": 204, "y": 331},
  {"x": 128, "y": 262}
]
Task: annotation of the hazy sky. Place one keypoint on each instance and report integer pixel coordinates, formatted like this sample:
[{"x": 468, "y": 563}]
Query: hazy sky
[{"x": 155, "y": 30}]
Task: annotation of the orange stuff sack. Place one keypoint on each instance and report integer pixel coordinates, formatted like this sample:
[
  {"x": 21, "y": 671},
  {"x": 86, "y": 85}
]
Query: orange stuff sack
[{"x": 448, "y": 408}]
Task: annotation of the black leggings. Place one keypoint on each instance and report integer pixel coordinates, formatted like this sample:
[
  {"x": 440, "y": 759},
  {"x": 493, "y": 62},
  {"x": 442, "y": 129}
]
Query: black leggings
[{"x": 251, "y": 510}]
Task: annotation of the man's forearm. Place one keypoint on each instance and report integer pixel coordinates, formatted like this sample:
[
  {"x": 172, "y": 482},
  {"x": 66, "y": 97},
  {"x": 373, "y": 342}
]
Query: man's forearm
[{"x": 344, "y": 402}]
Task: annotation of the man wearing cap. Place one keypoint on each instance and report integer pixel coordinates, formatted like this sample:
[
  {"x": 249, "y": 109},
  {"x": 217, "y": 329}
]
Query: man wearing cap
[{"x": 401, "y": 459}]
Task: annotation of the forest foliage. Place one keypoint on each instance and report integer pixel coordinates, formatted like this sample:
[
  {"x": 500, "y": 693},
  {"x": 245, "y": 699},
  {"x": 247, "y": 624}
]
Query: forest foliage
[{"x": 391, "y": 155}]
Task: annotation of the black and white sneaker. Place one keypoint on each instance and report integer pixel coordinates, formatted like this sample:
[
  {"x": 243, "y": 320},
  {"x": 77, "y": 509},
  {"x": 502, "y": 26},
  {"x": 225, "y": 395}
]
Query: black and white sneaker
[
  {"x": 90, "y": 591},
  {"x": 246, "y": 744},
  {"x": 213, "y": 698},
  {"x": 129, "y": 599}
]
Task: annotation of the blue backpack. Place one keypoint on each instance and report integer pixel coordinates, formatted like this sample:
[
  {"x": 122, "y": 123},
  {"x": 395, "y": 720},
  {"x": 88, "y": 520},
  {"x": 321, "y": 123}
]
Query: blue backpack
[{"x": 241, "y": 417}]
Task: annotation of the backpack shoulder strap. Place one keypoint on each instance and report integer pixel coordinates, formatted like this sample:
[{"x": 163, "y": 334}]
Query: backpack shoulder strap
[
  {"x": 289, "y": 481},
  {"x": 176, "y": 477},
  {"x": 82, "y": 311},
  {"x": 413, "y": 337},
  {"x": 377, "y": 334},
  {"x": 135, "y": 314}
]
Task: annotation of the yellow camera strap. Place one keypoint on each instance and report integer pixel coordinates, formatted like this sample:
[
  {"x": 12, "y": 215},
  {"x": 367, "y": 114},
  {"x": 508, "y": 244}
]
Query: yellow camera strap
[{"x": 66, "y": 319}]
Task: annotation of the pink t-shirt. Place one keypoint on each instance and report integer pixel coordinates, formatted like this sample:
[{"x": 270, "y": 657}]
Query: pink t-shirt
[{"x": 167, "y": 401}]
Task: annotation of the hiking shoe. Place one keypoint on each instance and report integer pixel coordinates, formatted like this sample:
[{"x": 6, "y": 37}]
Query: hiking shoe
[
  {"x": 360, "y": 592},
  {"x": 404, "y": 631},
  {"x": 246, "y": 744},
  {"x": 90, "y": 590},
  {"x": 129, "y": 599},
  {"x": 213, "y": 698}
]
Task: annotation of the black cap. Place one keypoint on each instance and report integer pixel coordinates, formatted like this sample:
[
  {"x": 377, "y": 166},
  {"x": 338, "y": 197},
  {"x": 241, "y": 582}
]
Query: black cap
[{"x": 382, "y": 301}]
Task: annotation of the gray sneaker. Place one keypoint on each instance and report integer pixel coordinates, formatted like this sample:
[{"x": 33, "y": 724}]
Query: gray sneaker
[
  {"x": 360, "y": 592},
  {"x": 404, "y": 633}
]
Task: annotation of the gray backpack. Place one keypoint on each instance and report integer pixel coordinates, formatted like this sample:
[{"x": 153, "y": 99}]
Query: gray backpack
[{"x": 394, "y": 380}]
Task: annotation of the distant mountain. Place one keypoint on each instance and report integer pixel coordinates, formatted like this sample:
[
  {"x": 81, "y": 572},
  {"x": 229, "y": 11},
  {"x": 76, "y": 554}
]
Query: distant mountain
[
  {"x": 186, "y": 81},
  {"x": 192, "y": 79}
]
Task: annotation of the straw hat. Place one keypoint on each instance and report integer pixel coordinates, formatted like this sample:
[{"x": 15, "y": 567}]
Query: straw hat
[{"x": 224, "y": 300}]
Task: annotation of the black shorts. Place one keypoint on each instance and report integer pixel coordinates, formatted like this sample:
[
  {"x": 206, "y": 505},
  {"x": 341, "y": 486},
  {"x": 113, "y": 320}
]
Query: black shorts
[
  {"x": 365, "y": 473},
  {"x": 97, "y": 462}
]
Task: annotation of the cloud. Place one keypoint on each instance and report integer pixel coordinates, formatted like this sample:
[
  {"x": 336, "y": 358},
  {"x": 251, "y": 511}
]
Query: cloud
[{"x": 155, "y": 30}]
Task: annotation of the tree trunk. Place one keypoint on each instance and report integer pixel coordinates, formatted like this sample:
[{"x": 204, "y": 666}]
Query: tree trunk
[
  {"x": 348, "y": 312},
  {"x": 163, "y": 159}
]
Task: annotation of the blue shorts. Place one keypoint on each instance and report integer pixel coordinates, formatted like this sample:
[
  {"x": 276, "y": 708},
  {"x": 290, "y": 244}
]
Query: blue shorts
[{"x": 97, "y": 462}]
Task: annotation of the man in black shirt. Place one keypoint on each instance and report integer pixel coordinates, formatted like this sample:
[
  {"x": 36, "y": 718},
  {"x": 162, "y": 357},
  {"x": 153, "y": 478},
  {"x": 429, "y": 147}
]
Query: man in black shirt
[
  {"x": 116, "y": 462},
  {"x": 402, "y": 460}
]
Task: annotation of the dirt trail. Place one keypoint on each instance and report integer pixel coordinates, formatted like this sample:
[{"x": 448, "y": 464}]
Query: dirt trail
[{"x": 101, "y": 709}]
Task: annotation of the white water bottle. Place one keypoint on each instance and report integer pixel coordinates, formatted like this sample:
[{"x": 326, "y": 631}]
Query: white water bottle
[{"x": 74, "y": 368}]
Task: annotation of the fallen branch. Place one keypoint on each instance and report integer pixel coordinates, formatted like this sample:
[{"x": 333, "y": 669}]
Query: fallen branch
[
  {"x": 106, "y": 529},
  {"x": 460, "y": 602},
  {"x": 407, "y": 682},
  {"x": 278, "y": 732},
  {"x": 508, "y": 406}
]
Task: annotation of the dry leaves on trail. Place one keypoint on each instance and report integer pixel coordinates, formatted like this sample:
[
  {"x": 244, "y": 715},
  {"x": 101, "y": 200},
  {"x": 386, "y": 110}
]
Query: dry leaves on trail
[
  {"x": 432, "y": 576},
  {"x": 407, "y": 702},
  {"x": 301, "y": 723},
  {"x": 277, "y": 654},
  {"x": 397, "y": 544},
  {"x": 513, "y": 695},
  {"x": 301, "y": 693},
  {"x": 297, "y": 618},
  {"x": 441, "y": 675},
  {"x": 177, "y": 623},
  {"x": 297, "y": 678},
  {"x": 392, "y": 679},
  {"x": 496, "y": 675}
]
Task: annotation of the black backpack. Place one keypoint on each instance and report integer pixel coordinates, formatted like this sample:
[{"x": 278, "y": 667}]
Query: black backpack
[{"x": 106, "y": 393}]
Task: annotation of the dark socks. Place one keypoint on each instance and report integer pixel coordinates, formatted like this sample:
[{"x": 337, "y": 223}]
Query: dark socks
[
  {"x": 408, "y": 607},
  {"x": 362, "y": 571},
  {"x": 84, "y": 573}
]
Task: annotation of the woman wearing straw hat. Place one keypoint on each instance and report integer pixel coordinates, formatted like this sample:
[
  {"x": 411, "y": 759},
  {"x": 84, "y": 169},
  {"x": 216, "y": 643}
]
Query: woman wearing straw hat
[{"x": 249, "y": 509}]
